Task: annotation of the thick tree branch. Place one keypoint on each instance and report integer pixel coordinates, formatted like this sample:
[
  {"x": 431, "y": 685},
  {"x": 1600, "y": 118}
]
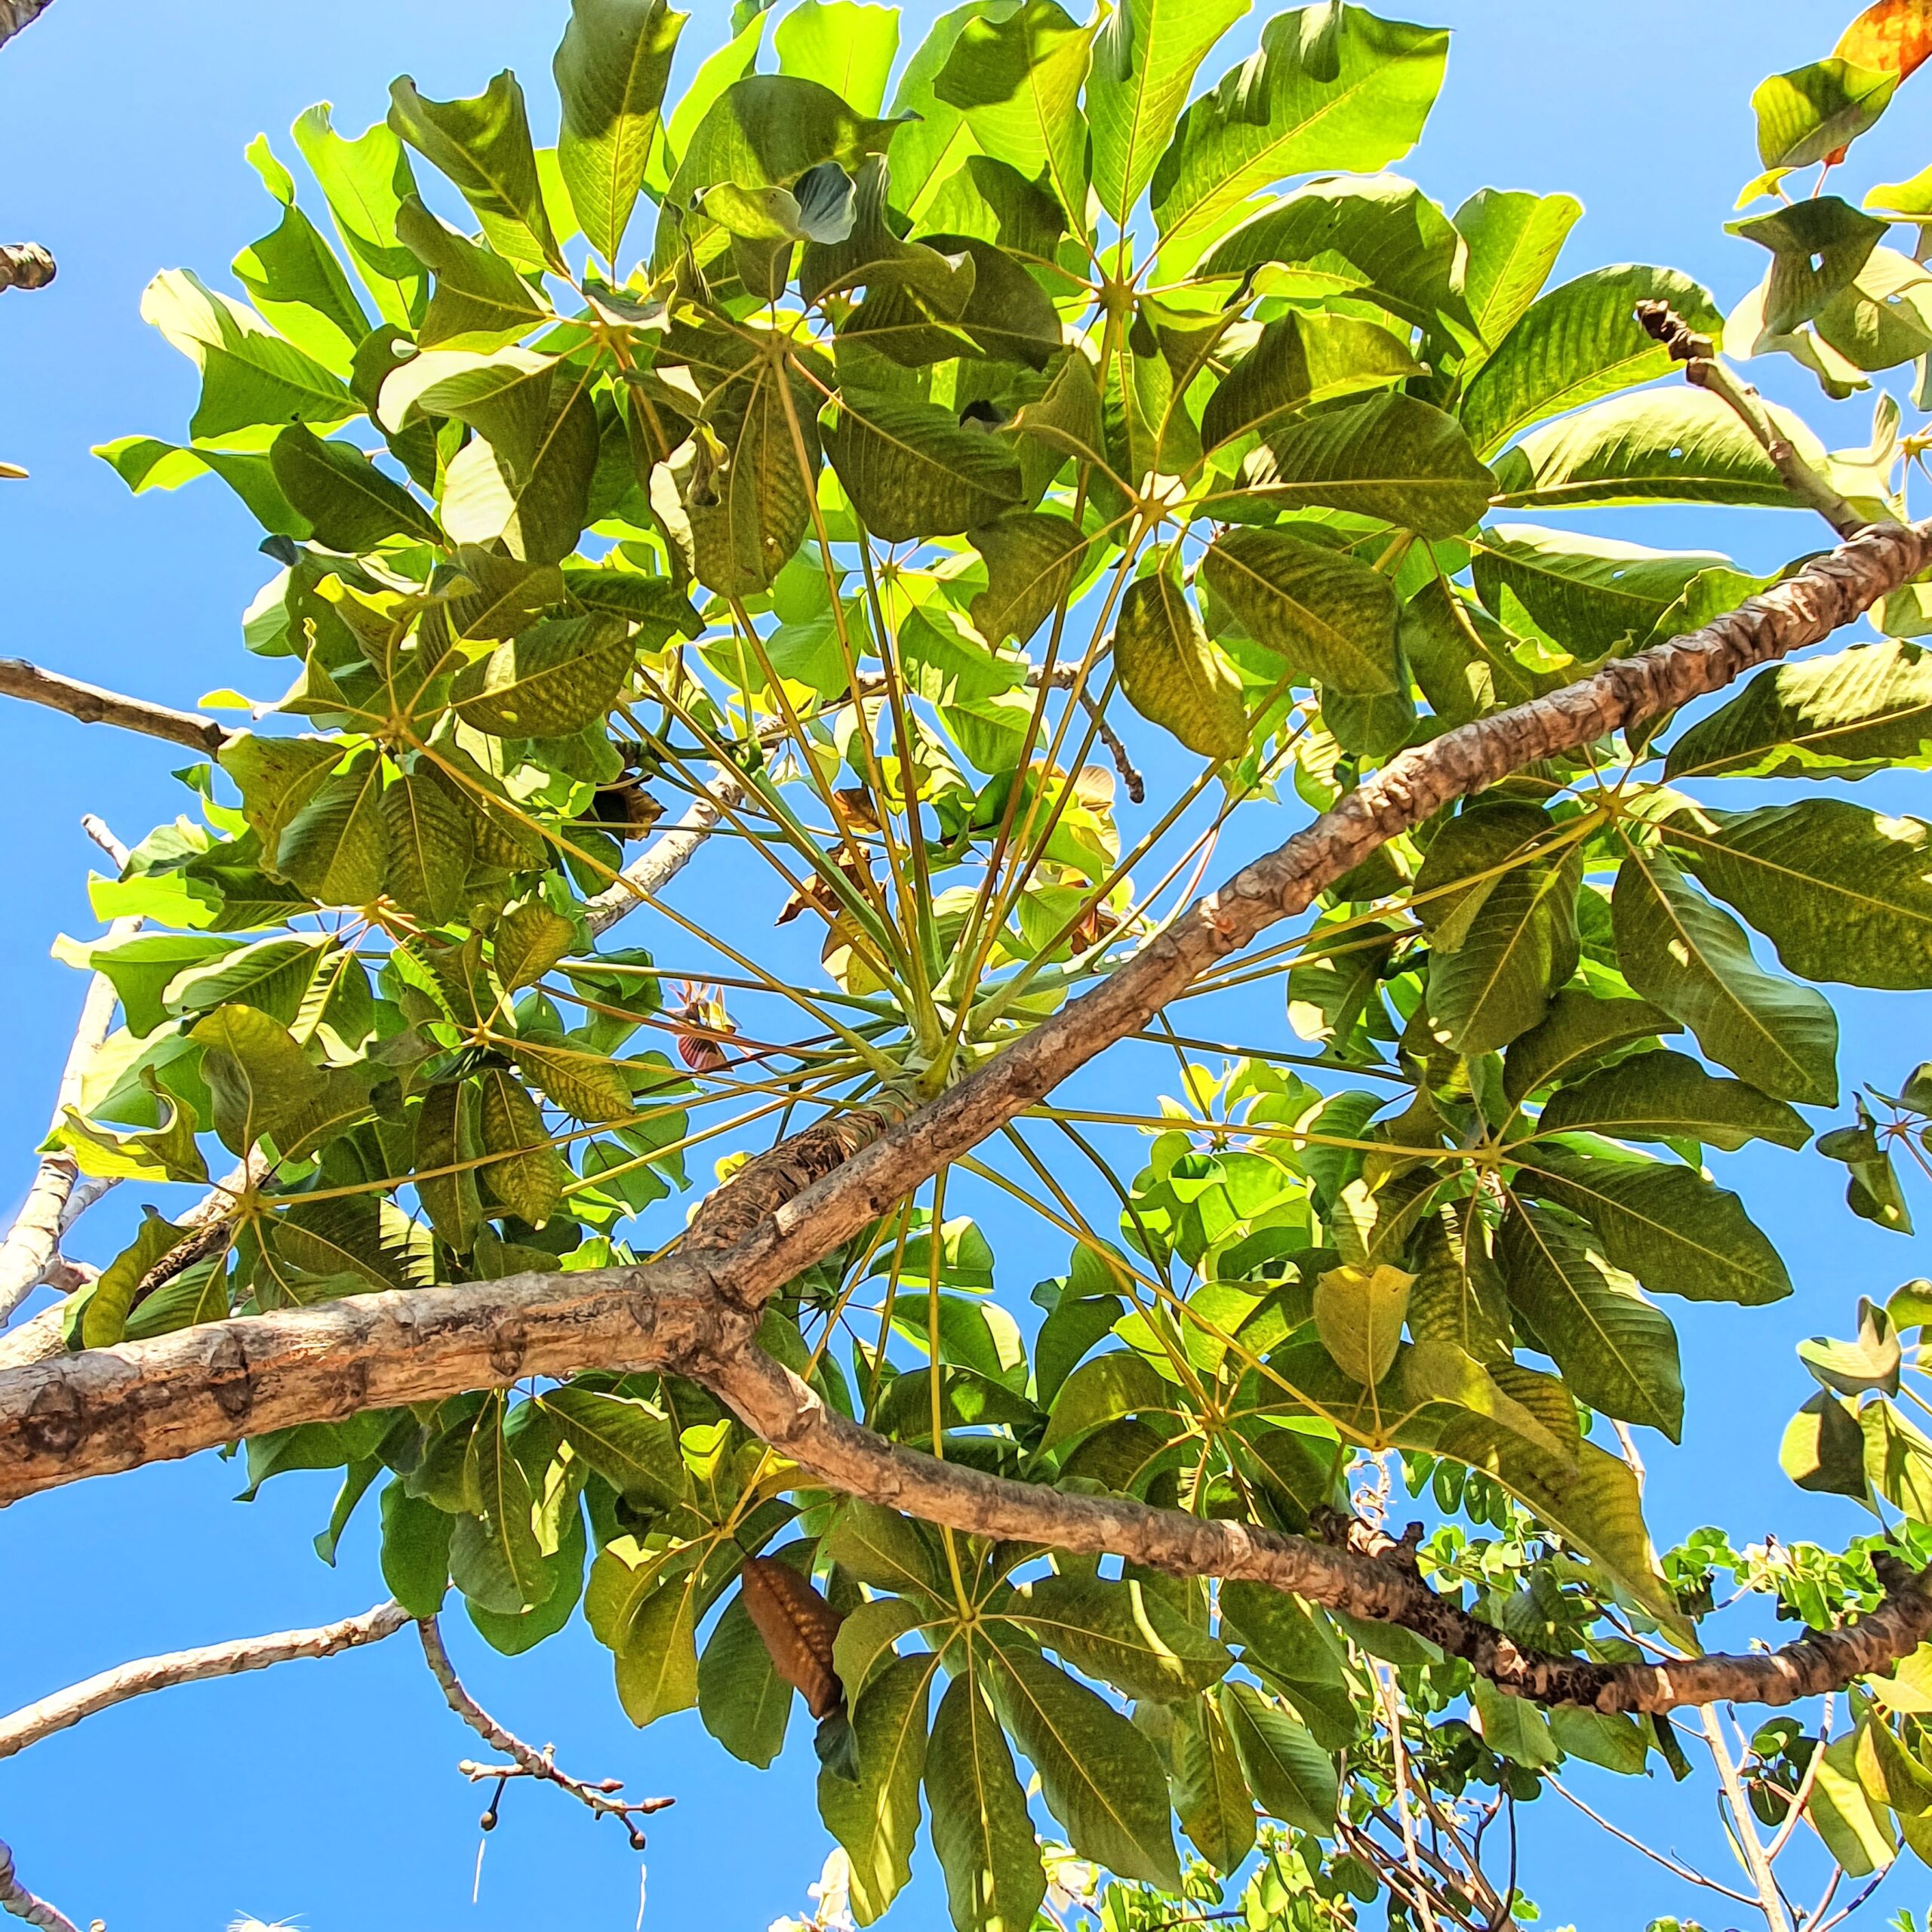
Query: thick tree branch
[
  {"x": 15, "y": 14},
  {"x": 113, "y": 1409},
  {"x": 92, "y": 706},
  {"x": 65, "y": 1708},
  {"x": 526, "y": 1760},
  {"x": 14, "y": 1897},
  {"x": 1355, "y": 1569}
]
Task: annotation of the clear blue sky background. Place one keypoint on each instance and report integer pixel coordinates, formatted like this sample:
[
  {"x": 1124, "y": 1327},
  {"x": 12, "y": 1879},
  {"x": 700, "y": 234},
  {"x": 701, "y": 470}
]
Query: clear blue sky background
[{"x": 329, "y": 1790}]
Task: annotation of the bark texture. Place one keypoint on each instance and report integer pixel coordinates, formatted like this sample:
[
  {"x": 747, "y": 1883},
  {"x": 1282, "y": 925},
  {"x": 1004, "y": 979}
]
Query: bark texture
[
  {"x": 14, "y": 1897},
  {"x": 25, "y": 264},
  {"x": 92, "y": 706}
]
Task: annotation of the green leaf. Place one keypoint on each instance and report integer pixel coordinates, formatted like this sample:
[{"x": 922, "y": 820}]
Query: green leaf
[
  {"x": 1843, "y": 894},
  {"x": 1665, "y": 1224},
  {"x": 558, "y": 676},
  {"x": 495, "y": 1558},
  {"x": 1099, "y": 1776},
  {"x": 1872, "y": 1187},
  {"x": 1033, "y": 560},
  {"x": 657, "y": 1664},
  {"x": 250, "y": 377},
  {"x": 882, "y": 1549},
  {"x": 416, "y": 1551},
  {"x": 1377, "y": 238},
  {"x": 1580, "y": 1028},
  {"x": 1872, "y": 1362},
  {"x": 512, "y": 1636},
  {"x": 431, "y": 845},
  {"x": 1016, "y": 80},
  {"x": 1617, "y": 1351},
  {"x": 1330, "y": 616},
  {"x": 1669, "y": 1097},
  {"x": 1578, "y": 343},
  {"x": 273, "y": 975},
  {"x": 1291, "y": 1775},
  {"x": 336, "y": 848},
  {"x": 1300, "y": 359},
  {"x": 877, "y": 1819},
  {"x": 349, "y": 503},
  {"x": 635, "y": 1452},
  {"x": 502, "y": 394},
  {"x": 1173, "y": 674},
  {"x": 746, "y": 1705},
  {"x": 1859, "y": 1835},
  {"x": 483, "y": 145},
  {"x": 766, "y": 130},
  {"x": 1102, "y": 1391},
  {"x": 1844, "y": 715},
  {"x": 537, "y": 509},
  {"x": 480, "y": 301},
  {"x": 145, "y": 462},
  {"x": 1666, "y": 446},
  {"x": 1211, "y": 1791},
  {"x": 1332, "y": 89},
  {"x": 447, "y": 1145},
  {"x": 293, "y": 277},
  {"x": 528, "y": 1175},
  {"x": 262, "y": 1084},
  {"x": 1806, "y": 114},
  {"x": 1145, "y": 56},
  {"x": 1391, "y": 457},
  {"x": 1593, "y": 594},
  {"x": 1358, "y": 1314},
  {"x": 1513, "y": 1727},
  {"x": 1818, "y": 246},
  {"x": 366, "y": 181},
  {"x": 1123, "y": 1633},
  {"x": 1514, "y": 240},
  {"x": 913, "y": 472},
  {"x": 981, "y": 1832},
  {"x": 611, "y": 69},
  {"x": 843, "y": 45}
]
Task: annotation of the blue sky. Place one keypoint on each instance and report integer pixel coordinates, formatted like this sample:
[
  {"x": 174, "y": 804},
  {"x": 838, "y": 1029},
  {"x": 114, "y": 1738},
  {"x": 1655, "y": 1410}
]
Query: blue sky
[{"x": 329, "y": 1791}]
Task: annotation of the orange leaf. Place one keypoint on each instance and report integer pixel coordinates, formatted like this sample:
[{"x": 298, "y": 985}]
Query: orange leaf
[
  {"x": 798, "y": 1627},
  {"x": 1894, "y": 37}
]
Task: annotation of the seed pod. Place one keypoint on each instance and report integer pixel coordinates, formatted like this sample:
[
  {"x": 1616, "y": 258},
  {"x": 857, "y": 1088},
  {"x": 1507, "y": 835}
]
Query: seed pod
[{"x": 798, "y": 1627}]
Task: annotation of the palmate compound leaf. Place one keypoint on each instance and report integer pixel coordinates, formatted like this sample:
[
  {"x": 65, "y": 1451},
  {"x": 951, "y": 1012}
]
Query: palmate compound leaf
[
  {"x": 559, "y": 675},
  {"x": 1121, "y": 1632},
  {"x": 1174, "y": 674},
  {"x": 1331, "y": 89},
  {"x": 983, "y": 1833},
  {"x": 610, "y": 69},
  {"x": 1680, "y": 952},
  {"x": 878, "y": 1819},
  {"x": 1842, "y": 893},
  {"x": 1617, "y": 1351},
  {"x": 263, "y": 1085},
  {"x": 1330, "y": 615},
  {"x": 1099, "y": 1776},
  {"x": 1843, "y": 715}
]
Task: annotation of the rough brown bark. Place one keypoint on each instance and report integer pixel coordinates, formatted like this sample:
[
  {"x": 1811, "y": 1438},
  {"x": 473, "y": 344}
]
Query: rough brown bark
[
  {"x": 29, "y": 1724},
  {"x": 26, "y": 265},
  {"x": 14, "y": 1897},
  {"x": 92, "y": 706},
  {"x": 115, "y": 1408},
  {"x": 15, "y": 14}
]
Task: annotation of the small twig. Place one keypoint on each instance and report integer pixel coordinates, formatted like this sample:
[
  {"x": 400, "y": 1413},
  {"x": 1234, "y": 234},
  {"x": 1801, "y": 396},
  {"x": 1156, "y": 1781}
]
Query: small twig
[
  {"x": 1702, "y": 368},
  {"x": 1066, "y": 677},
  {"x": 92, "y": 706},
  {"x": 32, "y": 1722},
  {"x": 31, "y": 1250},
  {"x": 1804, "y": 1790},
  {"x": 1669, "y": 1864},
  {"x": 14, "y": 1896},
  {"x": 24, "y": 264},
  {"x": 526, "y": 1760}
]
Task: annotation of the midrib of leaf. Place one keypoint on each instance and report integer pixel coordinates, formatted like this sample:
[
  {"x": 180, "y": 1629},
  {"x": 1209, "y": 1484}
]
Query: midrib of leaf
[
  {"x": 1529, "y": 566},
  {"x": 1822, "y": 735},
  {"x": 1074, "y": 1762}
]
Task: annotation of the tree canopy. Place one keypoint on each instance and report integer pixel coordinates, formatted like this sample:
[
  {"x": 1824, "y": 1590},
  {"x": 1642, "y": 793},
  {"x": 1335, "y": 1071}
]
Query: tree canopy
[{"x": 978, "y": 494}]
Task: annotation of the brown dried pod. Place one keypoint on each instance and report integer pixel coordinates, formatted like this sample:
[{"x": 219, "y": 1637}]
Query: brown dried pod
[{"x": 798, "y": 1627}]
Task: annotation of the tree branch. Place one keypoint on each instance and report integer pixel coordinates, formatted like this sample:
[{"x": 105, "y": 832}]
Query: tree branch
[
  {"x": 111, "y": 1409},
  {"x": 526, "y": 1760},
  {"x": 15, "y": 14},
  {"x": 1705, "y": 371},
  {"x": 25, "y": 264},
  {"x": 92, "y": 706},
  {"x": 1356, "y": 1570},
  {"x": 68, "y": 1707},
  {"x": 33, "y": 1241},
  {"x": 667, "y": 856},
  {"x": 14, "y": 1896}
]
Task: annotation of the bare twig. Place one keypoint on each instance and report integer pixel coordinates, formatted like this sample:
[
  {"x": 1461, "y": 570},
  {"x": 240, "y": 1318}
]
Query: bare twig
[
  {"x": 32, "y": 1244},
  {"x": 1802, "y": 1796},
  {"x": 1743, "y": 1831},
  {"x": 24, "y": 264},
  {"x": 526, "y": 1760},
  {"x": 14, "y": 1896},
  {"x": 1669, "y": 1864},
  {"x": 29, "y": 1724},
  {"x": 92, "y": 706},
  {"x": 1704, "y": 368}
]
